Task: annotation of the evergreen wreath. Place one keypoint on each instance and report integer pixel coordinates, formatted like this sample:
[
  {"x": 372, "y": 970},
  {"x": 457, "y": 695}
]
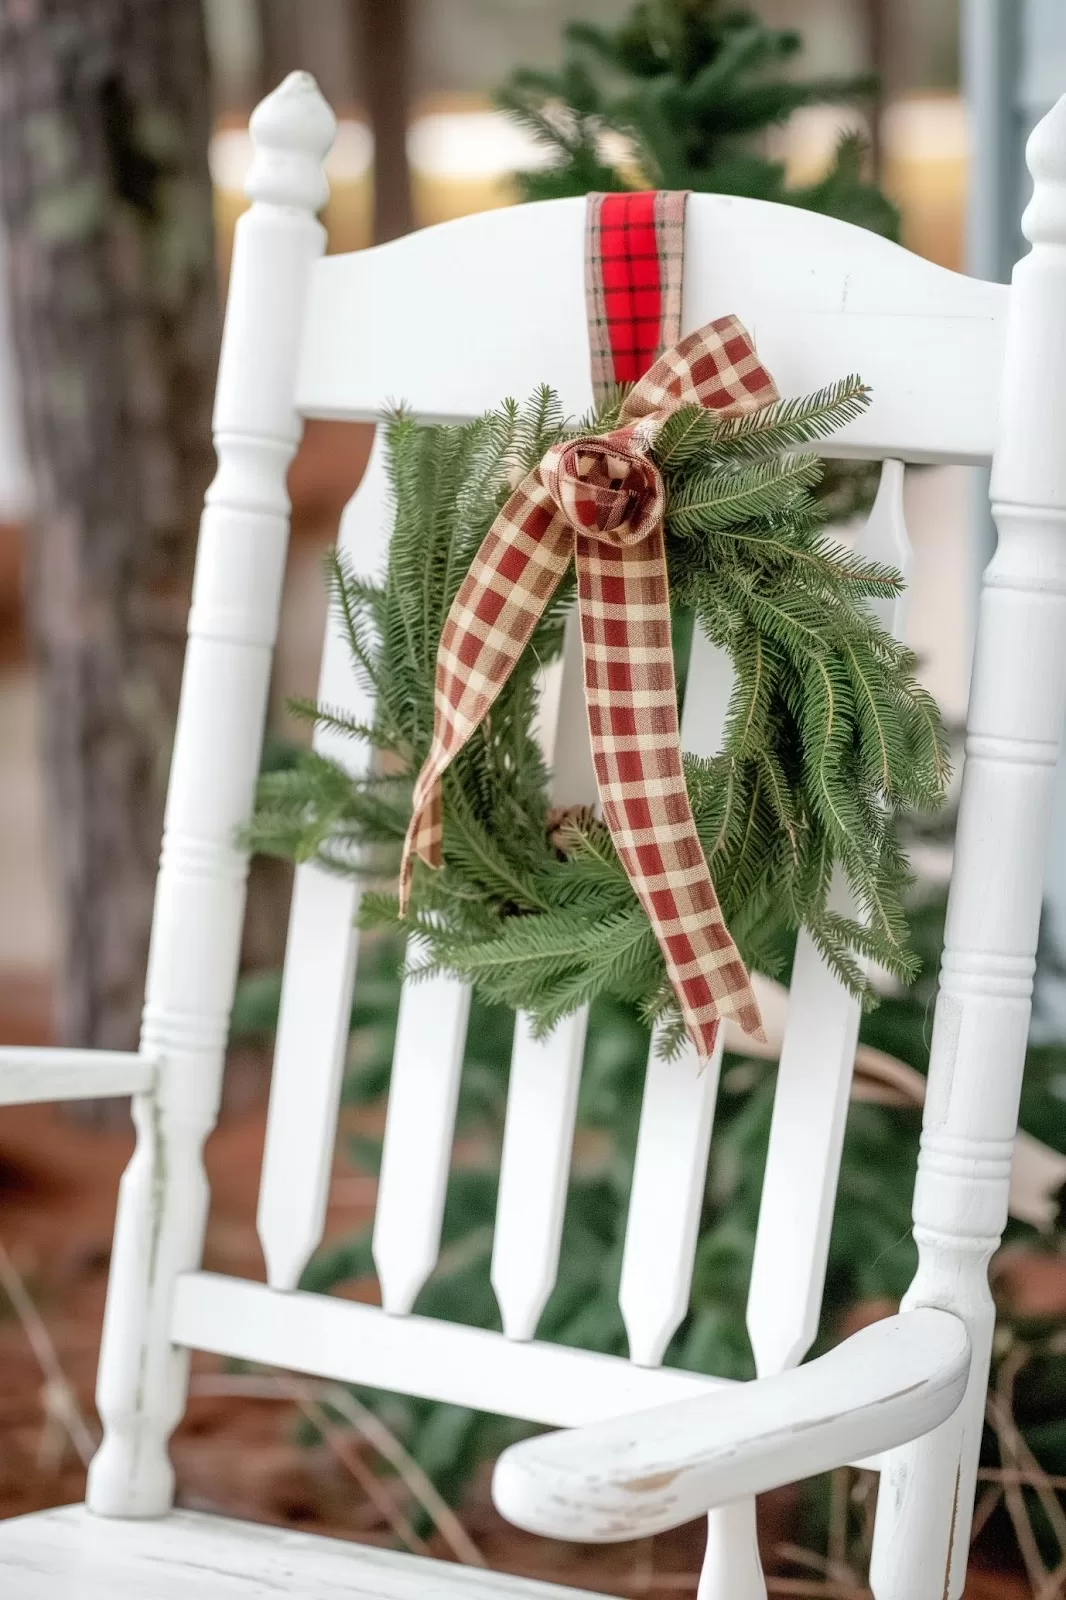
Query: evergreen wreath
[{"x": 829, "y": 736}]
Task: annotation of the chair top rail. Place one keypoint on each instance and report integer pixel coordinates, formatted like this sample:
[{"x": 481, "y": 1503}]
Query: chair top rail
[{"x": 451, "y": 319}]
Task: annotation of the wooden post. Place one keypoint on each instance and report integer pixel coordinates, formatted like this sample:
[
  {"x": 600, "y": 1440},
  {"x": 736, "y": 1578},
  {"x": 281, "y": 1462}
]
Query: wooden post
[
  {"x": 1014, "y": 733},
  {"x": 386, "y": 51},
  {"x": 878, "y": 47},
  {"x": 196, "y": 932}
]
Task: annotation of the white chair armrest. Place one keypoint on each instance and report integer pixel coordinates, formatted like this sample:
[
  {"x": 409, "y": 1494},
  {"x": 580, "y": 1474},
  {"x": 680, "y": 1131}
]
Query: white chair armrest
[
  {"x": 655, "y": 1469},
  {"x": 40, "y": 1074}
]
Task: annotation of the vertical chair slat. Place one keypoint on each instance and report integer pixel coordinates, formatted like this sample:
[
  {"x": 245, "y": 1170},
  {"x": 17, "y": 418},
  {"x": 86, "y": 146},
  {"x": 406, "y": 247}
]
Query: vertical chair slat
[
  {"x": 419, "y": 1130},
  {"x": 535, "y": 1169},
  {"x": 678, "y": 1107},
  {"x": 814, "y": 1078},
  {"x": 320, "y": 958},
  {"x": 803, "y": 1161},
  {"x": 545, "y": 1074},
  {"x": 666, "y": 1199}
]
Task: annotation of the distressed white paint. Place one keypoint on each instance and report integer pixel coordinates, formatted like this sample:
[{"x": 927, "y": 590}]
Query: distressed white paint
[
  {"x": 316, "y": 995},
  {"x": 814, "y": 1076},
  {"x": 33, "y": 1075},
  {"x": 634, "y": 1476},
  {"x": 68, "y": 1553},
  {"x": 196, "y": 931},
  {"x": 821, "y": 299},
  {"x": 1014, "y": 731}
]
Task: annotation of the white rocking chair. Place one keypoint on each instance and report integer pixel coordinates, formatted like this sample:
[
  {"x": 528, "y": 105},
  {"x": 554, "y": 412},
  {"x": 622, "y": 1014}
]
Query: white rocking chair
[{"x": 451, "y": 320}]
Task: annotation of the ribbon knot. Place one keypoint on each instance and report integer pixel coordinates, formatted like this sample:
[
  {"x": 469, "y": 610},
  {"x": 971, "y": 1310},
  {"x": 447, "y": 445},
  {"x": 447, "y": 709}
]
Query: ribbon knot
[
  {"x": 607, "y": 487},
  {"x": 600, "y": 502}
]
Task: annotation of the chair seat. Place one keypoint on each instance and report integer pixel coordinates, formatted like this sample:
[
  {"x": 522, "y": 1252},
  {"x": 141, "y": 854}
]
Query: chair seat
[{"x": 69, "y": 1554}]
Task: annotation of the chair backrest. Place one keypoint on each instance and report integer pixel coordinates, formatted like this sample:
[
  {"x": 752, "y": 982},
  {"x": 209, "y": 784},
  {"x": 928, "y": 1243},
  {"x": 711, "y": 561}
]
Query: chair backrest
[{"x": 450, "y": 320}]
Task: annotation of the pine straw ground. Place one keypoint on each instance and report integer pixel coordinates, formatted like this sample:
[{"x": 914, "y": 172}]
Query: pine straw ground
[{"x": 236, "y": 1451}]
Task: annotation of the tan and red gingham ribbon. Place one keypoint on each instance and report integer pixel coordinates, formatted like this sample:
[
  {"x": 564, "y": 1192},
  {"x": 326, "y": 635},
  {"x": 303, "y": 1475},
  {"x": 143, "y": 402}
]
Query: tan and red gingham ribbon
[{"x": 600, "y": 501}]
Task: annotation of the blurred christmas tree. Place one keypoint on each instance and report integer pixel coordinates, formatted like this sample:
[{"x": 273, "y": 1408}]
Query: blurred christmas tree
[{"x": 681, "y": 96}]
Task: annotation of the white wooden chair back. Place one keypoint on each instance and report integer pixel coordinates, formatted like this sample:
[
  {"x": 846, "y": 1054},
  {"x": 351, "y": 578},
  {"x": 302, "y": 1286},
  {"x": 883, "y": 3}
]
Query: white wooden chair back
[{"x": 450, "y": 320}]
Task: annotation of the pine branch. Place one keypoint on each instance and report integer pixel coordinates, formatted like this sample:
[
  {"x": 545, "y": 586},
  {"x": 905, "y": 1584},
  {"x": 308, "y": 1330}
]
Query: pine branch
[
  {"x": 721, "y": 499},
  {"x": 789, "y": 423}
]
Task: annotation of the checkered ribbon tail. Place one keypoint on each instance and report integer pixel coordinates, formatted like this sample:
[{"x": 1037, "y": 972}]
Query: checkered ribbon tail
[{"x": 600, "y": 502}]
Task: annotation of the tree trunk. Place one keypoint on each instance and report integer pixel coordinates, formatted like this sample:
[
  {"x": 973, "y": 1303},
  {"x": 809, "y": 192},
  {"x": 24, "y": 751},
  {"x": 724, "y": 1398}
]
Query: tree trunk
[
  {"x": 878, "y": 25},
  {"x": 106, "y": 201},
  {"x": 281, "y": 40},
  {"x": 386, "y": 85}
]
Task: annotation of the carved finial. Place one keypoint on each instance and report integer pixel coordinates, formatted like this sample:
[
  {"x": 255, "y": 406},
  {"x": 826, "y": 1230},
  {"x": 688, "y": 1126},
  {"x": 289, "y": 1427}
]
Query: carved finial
[
  {"x": 1044, "y": 221},
  {"x": 292, "y": 130}
]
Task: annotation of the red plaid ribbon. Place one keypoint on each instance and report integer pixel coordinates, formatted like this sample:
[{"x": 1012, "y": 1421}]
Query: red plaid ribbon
[
  {"x": 634, "y": 259},
  {"x": 600, "y": 501}
]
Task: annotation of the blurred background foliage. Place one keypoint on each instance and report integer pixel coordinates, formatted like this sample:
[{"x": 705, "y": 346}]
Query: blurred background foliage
[
  {"x": 678, "y": 96},
  {"x": 751, "y": 99}
]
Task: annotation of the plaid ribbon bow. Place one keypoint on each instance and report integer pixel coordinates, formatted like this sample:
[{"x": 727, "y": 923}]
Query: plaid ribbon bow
[{"x": 600, "y": 502}]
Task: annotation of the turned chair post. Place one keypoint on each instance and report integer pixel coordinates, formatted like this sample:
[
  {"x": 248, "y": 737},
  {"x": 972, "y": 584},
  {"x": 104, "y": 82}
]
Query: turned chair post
[
  {"x": 199, "y": 909},
  {"x": 1014, "y": 730}
]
